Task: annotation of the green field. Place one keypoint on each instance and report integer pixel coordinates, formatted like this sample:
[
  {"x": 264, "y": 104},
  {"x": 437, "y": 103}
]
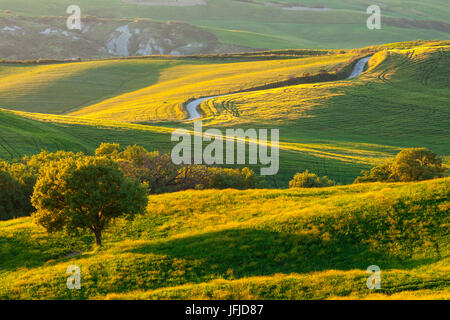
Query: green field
[
  {"x": 332, "y": 128},
  {"x": 245, "y": 22},
  {"x": 147, "y": 89},
  {"x": 59, "y": 88},
  {"x": 24, "y": 136},
  {"x": 258, "y": 244}
]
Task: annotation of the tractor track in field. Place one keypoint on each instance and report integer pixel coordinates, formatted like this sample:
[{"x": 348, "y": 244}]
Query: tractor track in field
[
  {"x": 11, "y": 151},
  {"x": 382, "y": 76},
  {"x": 427, "y": 69},
  {"x": 433, "y": 67},
  {"x": 7, "y": 150}
]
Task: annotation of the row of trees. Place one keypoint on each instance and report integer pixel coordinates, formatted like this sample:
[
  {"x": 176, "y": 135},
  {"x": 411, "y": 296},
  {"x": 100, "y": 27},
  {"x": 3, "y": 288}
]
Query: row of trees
[
  {"x": 73, "y": 191},
  {"x": 158, "y": 172},
  {"x": 153, "y": 169}
]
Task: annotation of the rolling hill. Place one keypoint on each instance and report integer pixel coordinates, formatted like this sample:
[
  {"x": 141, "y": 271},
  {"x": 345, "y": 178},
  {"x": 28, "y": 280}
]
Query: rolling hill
[
  {"x": 334, "y": 128},
  {"x": 82, "y": 88},
  {"x": 286, "y": 244},
  {"x": 211, "y": 26},
  {"x": 151, "y": 89},
  {"x": 24, "y": 135},
  {"x": 24, "y": 37}
]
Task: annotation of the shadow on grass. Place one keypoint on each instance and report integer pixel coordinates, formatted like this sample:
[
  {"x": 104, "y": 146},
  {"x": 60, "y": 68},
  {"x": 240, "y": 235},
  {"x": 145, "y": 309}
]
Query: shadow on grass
[
  {"x": 22, "y": 252},
  {"x": 247, "y": 252}
]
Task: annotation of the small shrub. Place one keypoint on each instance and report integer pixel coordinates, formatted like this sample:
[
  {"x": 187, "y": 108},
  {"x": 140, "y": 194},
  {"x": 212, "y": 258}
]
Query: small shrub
[{"x": 310, "y": 180}]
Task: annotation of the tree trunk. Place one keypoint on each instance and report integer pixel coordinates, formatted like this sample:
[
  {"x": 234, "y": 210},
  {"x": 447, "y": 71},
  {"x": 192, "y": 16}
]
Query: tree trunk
[
  {"x": 436, "y": 247},
  {"x": 98, "y": 237}
]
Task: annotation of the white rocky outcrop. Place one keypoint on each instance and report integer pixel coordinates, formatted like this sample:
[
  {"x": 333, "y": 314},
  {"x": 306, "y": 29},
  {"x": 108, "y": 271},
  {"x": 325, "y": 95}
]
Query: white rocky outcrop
[
  {"x": 50, "y": 31},
  {"x": 13, "y": 28},
  {"x": 118, "y": 41},
  {"x": 150, "y": 47}
]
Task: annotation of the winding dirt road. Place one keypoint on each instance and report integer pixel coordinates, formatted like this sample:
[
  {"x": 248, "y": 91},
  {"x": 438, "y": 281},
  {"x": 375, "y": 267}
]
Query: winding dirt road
[
  {"x": 192, "y": 106},
  {"x": 359, "y": 67}
]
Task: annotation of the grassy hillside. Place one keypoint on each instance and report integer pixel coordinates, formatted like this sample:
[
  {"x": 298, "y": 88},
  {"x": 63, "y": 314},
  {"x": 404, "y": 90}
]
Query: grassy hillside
[
  {"x": 24, "y": 133},
  {"x": 333, "y": 128},
  {"x": 341, "y": 25},
  {"x": 387, "y": 105},
  {"x": 164, "y": 100},
  {"x": 286, "y": 244},
  {"x": 59, "y": 88},
  {"x": 147, "y": 89},
  {"x": 21, "y": 136}
]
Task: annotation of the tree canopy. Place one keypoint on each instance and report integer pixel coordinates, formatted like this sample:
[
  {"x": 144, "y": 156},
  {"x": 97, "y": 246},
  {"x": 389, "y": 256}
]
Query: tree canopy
[
  {"x": 12, "y": 200},
  {"x": 414, "y": 164},
  {"x": 85, "y": 193},
  {"x": 310, "y": 180}
]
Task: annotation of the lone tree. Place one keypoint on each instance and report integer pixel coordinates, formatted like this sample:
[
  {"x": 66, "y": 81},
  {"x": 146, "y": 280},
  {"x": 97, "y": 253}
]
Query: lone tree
[{"x": 85, "y": 193}]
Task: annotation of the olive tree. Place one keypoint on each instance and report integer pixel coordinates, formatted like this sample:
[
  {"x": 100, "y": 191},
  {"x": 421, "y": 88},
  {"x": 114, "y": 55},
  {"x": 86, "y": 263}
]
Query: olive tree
[{"x": 85, "y": 193}]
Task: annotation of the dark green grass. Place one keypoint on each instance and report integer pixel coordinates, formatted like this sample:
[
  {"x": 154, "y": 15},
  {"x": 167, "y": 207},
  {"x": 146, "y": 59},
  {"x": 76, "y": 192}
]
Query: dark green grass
[
  {"x": 21, "y": 136},
  {"x": 69, "y": 87}
]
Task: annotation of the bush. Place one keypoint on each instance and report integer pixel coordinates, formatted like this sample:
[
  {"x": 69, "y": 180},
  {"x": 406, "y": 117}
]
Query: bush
[
  {"x": 310, "y": 180},
  {"x": 108, "y": 150},
  {"x": 225, "y": 178},
  {"x": 415, "y": 164},
  {"x": 13, "y": 202}
]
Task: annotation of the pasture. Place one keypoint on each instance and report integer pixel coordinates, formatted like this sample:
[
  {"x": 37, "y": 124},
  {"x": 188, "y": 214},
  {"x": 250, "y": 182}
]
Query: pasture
[{"x": 253, "y": 244}]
